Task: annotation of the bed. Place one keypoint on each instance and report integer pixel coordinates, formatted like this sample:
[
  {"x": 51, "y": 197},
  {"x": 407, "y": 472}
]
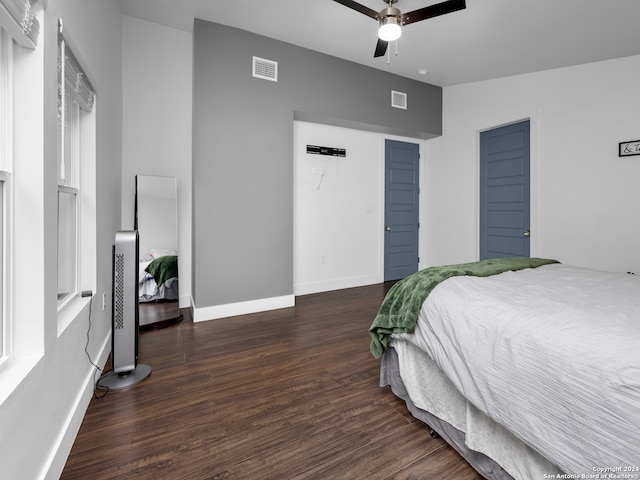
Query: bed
[
  {"x": 158, "y": 276},
  {"x": 528, "y": 367}
]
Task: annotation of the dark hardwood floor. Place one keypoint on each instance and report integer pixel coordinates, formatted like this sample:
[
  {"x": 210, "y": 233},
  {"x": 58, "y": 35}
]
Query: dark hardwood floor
[{"x": 288, "y": 394}]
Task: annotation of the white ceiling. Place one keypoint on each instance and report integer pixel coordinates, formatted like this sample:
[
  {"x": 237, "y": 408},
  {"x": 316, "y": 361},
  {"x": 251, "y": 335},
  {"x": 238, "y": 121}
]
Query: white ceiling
[{"x": 489, "y": 39}]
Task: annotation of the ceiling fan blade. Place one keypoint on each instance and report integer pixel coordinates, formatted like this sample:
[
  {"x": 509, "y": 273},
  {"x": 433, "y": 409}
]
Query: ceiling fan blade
[
  {"x": 381, "y": 48},
  {"x": 359, "y": 8},
  {"x": 431, "y": 11}
]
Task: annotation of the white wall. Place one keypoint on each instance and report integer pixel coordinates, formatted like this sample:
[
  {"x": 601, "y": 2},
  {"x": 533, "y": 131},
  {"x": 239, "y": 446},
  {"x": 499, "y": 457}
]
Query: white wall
[
  {"x": 339, "y": 208},
  {"x": 585, "y": 208},
  {"x": 41, "y": 414},
  {"x": 156, "y": 130},
  {"x": 157, "y": 91}
]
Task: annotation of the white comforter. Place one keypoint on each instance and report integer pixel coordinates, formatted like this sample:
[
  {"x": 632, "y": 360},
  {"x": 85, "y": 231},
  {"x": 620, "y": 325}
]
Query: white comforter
[{"x": 552, "y": 354}]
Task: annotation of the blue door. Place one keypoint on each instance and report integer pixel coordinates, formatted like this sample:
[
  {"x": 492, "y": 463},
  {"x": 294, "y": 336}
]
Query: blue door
[
  {"x": 504, "y": 191},
  {"x": 402, "y": 162}
]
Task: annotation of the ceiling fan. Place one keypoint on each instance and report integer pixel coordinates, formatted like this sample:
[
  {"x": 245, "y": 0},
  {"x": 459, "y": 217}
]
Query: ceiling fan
[{"x": 392, "y": 19}]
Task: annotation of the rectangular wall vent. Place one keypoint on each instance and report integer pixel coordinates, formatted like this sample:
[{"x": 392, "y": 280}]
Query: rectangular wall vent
[
  {"x": 265, "y": 69},
  {"x": 398, "y": 99}
]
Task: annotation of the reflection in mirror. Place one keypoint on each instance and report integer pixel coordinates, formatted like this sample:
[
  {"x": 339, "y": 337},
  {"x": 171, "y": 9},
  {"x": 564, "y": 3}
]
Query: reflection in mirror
[{"x": 156, "y": 219}]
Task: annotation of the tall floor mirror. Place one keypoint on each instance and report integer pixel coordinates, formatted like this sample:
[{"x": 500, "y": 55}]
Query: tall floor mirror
[{"x": 156, "y": 219}]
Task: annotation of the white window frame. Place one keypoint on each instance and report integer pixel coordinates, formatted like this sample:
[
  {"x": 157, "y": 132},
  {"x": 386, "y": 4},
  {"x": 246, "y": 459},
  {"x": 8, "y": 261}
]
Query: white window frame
[
  {"x": 6, "y": 211},
  {"x": 6, "y": 336},
  {"x": 76, "y": 176},
  {"x": 69, "y": 184},
  {"x": 24, "y": 237}
]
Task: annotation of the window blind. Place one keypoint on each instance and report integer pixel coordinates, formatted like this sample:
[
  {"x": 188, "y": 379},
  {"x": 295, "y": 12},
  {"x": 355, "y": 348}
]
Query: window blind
[
  {"x": 74, "y": 88},
  {"x": 76, "y": 83},
  {"x": 17, "y": 18}
]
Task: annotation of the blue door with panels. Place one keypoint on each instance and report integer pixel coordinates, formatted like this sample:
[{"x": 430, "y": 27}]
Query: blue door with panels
[
  {"x": 504, "y": 191},
  {"x": 402, "y": 190}
]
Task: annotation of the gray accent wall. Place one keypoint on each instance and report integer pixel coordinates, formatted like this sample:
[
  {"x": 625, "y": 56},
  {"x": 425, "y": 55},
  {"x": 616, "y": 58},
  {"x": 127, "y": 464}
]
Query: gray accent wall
[{"x": 243, "y": 150}]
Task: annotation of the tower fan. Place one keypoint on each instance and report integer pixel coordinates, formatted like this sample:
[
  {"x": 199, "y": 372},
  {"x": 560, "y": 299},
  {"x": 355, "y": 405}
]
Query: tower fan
[{"x": 124, "y": 316}]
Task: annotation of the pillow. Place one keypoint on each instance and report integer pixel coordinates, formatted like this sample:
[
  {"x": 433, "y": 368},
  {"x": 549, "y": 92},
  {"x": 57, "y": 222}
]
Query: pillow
[{"x": 162, "y": 252}]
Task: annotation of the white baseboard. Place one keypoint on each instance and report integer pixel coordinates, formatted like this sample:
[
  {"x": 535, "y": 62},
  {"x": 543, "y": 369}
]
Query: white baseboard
[
  {"x": 184, "y": 301},
  {"x": 338, "y": 284},
  {"x": 241, "y": 308},
  {"x": 62, "y": 447}
]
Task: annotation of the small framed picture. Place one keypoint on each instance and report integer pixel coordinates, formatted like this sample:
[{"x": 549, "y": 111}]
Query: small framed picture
[{"x": 629, "y": 148}]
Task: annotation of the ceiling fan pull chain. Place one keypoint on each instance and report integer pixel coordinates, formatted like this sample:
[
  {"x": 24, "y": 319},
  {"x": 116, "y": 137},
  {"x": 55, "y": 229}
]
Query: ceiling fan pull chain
[{"x": 389, "y": 53}]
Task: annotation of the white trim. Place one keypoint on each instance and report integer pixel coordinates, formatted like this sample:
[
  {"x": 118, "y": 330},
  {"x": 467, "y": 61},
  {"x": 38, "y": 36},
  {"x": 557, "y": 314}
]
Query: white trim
[
  {"x": 240, "y": 308},
  {"x": 6, "y": 192},
  {"x": 70, "y": 309},
  {"x": 6, "y": 251},
  {"x": 15, "y": 373},
  {"x": 7, "y": 93},
  {"x": 185, "y": 301},
  {"x": 61, "y": 449},
  {"x": 337, "y": 284}
]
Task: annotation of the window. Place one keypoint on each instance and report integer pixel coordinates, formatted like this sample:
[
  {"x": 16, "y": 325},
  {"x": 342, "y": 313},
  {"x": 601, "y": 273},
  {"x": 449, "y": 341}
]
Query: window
[
  {"x": 68, "y": 191},
  {"x": 6, "y": 161},
  {"x": 21, "y": 208},
  {"x": 75, "y": 104}
]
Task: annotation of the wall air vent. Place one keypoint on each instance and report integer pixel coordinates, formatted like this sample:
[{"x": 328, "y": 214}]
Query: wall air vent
[
  {"x": 398, "y": 100},
  {"x": 265, "y": 69}
]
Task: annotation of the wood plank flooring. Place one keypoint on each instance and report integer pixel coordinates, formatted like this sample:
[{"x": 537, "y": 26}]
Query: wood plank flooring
[{"x": 290, "y": 394}]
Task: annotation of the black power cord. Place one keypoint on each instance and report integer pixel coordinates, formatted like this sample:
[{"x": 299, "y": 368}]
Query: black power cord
[{"x": 86, "y": 350}]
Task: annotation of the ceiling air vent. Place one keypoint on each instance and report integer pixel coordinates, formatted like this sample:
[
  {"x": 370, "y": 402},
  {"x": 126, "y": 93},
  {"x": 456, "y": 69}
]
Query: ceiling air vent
[
  {"x": 398, "y": 100},
  {"x": 265, "y": 69}
]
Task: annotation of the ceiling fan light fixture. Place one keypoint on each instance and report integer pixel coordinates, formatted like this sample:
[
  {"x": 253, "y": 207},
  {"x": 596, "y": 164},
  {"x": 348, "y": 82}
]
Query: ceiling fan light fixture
[
  {"x": 390, "y": 24},
  {"x": 389, "y": 31}
]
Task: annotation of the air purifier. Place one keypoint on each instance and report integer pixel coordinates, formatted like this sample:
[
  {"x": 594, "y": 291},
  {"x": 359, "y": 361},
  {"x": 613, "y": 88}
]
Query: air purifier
[{"x": 126, "y": 370}]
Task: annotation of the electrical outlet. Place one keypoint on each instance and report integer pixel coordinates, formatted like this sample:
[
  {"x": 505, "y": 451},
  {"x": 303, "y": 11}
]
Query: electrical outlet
[{"x": 104, "y": 300}]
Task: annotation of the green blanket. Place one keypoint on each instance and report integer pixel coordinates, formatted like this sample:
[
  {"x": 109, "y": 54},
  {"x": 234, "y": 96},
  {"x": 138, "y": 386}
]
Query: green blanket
[
  {"x": 399, "y": 310},
  {"x": 163, "y": 268}
]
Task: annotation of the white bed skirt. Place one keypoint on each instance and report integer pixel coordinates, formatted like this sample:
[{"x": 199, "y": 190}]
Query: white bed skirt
[{"x": 487, "y": 446}]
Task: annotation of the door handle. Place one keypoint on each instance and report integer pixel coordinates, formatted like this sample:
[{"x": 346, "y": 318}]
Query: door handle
[
  {"x": 387, "y": 228},
  {"x": 527, "y": 233}
]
